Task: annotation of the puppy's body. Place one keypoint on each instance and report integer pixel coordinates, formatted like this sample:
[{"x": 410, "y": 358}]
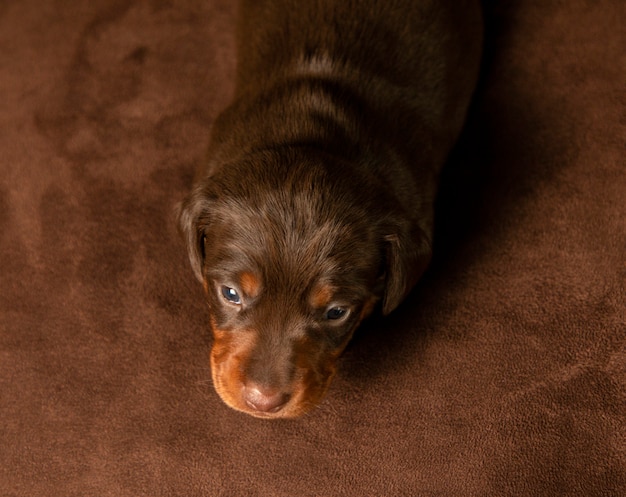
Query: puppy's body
[{"x": 317, "y": 197}]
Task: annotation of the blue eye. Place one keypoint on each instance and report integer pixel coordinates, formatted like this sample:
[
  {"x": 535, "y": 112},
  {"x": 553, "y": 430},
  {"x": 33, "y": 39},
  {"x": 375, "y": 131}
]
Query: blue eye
[
  {"x": 335, "y": 313},
  {"x": 231, "y": 295}
]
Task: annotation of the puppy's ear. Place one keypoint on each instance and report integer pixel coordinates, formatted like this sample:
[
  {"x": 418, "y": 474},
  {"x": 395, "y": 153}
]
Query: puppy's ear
[
  {"x": 408, "y": 252},
  {"x": 193, "y": 215}
]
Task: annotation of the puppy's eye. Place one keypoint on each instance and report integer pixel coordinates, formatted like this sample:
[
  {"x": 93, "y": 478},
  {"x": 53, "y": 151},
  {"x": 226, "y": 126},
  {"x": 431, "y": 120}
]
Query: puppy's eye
[
  {"x": 231, "y": 295},
  {"x": 335, "y": 313}
]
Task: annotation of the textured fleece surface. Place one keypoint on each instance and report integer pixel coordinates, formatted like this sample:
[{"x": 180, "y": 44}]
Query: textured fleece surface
[{"x": 503, "y": 374}]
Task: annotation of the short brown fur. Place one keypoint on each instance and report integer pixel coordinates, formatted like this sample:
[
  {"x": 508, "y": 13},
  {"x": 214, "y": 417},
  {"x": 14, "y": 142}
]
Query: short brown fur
[
  {"x": 250, "y": 284},
  {"x": 321, "y": 296},
  {"x": 316, "y": 201}
]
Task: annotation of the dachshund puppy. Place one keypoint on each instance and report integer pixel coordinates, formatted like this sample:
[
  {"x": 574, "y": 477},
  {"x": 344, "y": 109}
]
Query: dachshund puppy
[{"x": 315, "y": 204}]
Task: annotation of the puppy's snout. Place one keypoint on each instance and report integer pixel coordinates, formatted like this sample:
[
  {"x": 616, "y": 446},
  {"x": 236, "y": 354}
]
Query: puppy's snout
[{"x": 263, "y": 399}]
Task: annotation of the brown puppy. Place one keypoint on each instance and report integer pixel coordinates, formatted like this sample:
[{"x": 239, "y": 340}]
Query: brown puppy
[{"x": 316, "y": 201}]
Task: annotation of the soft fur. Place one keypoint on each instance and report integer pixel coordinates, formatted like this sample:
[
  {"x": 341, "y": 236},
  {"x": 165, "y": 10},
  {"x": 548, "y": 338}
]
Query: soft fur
[{"x": 316, "y": 201}]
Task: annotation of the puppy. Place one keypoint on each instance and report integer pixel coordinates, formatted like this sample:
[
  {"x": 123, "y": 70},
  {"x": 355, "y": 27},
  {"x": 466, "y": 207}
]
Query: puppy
[{"x": 316, "y": 202}]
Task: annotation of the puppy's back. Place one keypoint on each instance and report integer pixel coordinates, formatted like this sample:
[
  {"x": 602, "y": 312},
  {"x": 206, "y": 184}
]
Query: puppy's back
[{"x": 387, "y": 82}]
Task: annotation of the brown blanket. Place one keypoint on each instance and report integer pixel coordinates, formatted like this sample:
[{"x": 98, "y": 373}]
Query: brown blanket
[{"x": 503, "y": 374}]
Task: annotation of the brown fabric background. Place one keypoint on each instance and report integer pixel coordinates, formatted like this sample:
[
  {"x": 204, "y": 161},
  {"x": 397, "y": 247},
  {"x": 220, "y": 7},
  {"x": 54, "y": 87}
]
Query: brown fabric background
[{"x": 503, "y": 374}]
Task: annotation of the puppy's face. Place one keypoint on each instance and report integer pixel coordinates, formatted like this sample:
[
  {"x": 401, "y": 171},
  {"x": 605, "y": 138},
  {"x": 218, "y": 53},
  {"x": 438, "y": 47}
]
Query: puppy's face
[
  {"x": 283, "y": 308},
  {"x": 291, "y": 263}
]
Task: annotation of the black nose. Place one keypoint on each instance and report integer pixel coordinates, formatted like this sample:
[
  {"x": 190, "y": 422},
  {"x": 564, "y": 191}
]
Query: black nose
[{"x": 264, "y": 399}]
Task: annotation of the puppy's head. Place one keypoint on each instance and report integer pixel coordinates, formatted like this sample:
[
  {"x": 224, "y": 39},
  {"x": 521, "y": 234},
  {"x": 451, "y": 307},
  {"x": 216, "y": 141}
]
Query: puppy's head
[{"x": 293, "y": 255}]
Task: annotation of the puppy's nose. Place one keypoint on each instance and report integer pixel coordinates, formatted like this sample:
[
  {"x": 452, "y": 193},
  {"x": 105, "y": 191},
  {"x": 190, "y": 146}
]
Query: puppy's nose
[{"x": 263, "y": 399}]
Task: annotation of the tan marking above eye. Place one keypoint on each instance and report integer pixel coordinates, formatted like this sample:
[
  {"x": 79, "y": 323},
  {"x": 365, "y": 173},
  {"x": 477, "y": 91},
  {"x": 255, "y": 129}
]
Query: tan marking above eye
[
  {"x": 321, "y": 296},
  {"x": 250, "y": 284}
]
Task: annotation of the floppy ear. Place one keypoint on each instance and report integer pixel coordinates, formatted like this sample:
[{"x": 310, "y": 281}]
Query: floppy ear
[
  {"x": 408, "y": 253},
  {"x": 193, "y": 215}
]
